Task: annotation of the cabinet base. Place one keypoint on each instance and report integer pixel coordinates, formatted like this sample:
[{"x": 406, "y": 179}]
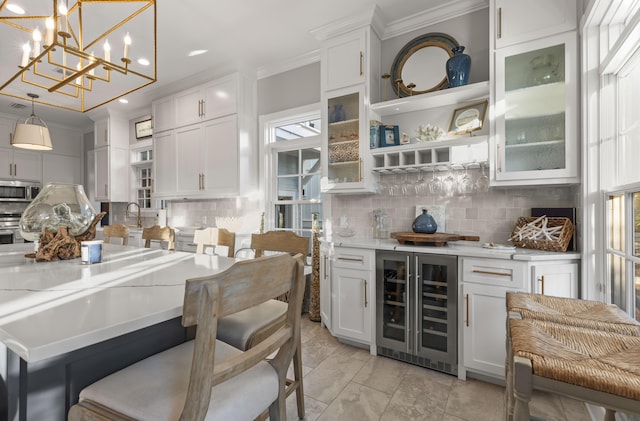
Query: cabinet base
[{"x": 445, "y": 367}]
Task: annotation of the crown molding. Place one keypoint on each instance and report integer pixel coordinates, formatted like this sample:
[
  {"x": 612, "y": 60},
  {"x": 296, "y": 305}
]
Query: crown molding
[
  {"x": 289, "y": 64},
  {"x": 371, "y": 17},
  {"x": 428, "y": 17}
]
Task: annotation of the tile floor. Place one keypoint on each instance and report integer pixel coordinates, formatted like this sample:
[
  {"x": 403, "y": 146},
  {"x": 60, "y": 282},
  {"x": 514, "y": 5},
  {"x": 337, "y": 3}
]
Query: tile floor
[{"x": 342, "y": 382}]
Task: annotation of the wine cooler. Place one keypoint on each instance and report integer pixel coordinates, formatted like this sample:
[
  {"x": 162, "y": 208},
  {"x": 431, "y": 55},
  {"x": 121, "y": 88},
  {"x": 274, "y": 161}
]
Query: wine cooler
[{"x": 416, "y": 309}]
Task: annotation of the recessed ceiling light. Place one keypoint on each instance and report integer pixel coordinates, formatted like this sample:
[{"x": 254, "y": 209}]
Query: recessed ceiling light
[
  {"x": 123, "y": 101},
  {"x": 15, "y": 9},
  {"x": 143, "y": 62},
  {"x": 196, "y": 52}
]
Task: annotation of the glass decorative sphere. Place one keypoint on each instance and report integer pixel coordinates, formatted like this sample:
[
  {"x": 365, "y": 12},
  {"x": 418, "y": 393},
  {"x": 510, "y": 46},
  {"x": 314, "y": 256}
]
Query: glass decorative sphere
[{"x": 56, "y": 205}]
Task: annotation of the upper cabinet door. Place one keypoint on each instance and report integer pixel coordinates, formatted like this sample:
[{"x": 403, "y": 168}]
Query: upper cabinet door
[
  {"x": 220, "y": 97},
  {"x": 189, "y": 106},
  {"x": 536, "y": 112},
  {"x": 163, "y": 115},
  {"x": 518, "y": 20},
  {"x": 343, "y": 61}
]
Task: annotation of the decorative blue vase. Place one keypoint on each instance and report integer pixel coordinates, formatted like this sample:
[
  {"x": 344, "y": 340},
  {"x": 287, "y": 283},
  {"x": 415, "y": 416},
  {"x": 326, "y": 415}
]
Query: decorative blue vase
[
  {"x": 337, "y": 114},
  {"x": 458, "y": 67},
  {"x": 424, "y": 224}
]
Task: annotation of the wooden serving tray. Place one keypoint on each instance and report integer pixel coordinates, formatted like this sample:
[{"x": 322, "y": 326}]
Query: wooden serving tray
[{"x": 438, "y": 239}]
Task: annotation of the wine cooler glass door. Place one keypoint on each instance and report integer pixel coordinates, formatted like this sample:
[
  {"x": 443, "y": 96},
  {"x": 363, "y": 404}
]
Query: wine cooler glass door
[{"x": 393, "y": 308}]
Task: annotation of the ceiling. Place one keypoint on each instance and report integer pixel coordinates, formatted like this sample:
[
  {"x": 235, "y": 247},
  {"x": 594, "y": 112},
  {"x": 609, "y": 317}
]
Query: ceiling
[{"x": 248, "y": 35}]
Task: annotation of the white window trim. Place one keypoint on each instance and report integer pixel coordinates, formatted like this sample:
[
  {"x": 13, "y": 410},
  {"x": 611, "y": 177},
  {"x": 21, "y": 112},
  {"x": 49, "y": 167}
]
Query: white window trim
[{"x": 268, "y": 123}]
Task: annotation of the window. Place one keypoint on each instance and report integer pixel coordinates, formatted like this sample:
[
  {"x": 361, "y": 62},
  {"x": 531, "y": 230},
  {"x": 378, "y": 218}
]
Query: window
[
  {"x": 620, "y": 171},
  {"x": 144, "y": 190},
  {"x": 292, "y": 142}
]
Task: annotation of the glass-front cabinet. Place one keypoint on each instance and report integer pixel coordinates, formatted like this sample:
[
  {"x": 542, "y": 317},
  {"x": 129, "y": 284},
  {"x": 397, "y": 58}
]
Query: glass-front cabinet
[
  {"x": 346, "y": 159},
  {"x": 536, "y": 112}
]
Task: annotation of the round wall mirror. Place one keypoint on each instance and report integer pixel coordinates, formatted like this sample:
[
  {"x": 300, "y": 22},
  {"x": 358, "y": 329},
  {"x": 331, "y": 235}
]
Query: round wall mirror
[{"x": 421, "y": 62}]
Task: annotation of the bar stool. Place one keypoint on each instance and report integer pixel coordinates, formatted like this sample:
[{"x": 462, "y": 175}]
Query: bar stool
[
  {"x": 215, "y": 237},
  {"x": 116, "y": 231},
  {"x": 159, "y": 233},
  {"x": 248, "y": 328}
]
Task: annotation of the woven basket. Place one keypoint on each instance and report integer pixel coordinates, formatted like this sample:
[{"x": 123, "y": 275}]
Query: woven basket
[
  {"x": 564, "y": 235},
  {"x": 344, "y": 152}
]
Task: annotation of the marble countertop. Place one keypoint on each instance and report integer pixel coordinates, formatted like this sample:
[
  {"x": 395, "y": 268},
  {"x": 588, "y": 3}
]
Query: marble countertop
[
  {"x": 457, "y": 248},
  {"x": 50, "y": 308}
]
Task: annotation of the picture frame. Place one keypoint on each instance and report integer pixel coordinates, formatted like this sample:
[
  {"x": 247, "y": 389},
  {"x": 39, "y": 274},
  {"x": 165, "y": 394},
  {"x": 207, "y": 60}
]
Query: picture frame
[
  {"x": 389, "y": 136},
  {"x": 468, "y": 118},
  {"x": 144, "y": 129}
]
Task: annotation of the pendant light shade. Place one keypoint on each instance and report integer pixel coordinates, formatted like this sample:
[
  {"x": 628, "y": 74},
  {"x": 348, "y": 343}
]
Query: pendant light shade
[{"x": 33, "y": 133}]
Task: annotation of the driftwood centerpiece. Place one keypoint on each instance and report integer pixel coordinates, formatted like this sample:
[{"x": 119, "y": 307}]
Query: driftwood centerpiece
[{"x": 62, "y": 245}]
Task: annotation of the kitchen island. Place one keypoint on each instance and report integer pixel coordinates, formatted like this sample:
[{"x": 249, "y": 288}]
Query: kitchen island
[{"x": 64, "y": 325}]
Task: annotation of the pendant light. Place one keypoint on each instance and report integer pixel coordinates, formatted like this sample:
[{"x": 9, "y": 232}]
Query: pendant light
[{"x": 33, "y": 133}]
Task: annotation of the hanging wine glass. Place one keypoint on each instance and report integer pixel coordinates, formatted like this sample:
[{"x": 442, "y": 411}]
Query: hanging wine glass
[
  {"x": 449, "y": 184},
  {"x": 420, "y": 184},
  {"x": 465, "y": 183},
  {"x": 435, "y": 185},
  {"x": 482, "y": 183}
]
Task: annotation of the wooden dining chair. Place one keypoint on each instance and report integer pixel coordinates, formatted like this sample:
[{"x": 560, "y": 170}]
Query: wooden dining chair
[
  {"x": 159, "y": 233},
  {"x": 116, "y": 231},
  {"x": 214, "y": 237},
  {"x": 248, "y": 328},
  {"x": 206, "y": 377}
]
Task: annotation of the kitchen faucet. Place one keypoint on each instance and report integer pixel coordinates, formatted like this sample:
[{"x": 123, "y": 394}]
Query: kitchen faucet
[{"x": 128, "y": 215}]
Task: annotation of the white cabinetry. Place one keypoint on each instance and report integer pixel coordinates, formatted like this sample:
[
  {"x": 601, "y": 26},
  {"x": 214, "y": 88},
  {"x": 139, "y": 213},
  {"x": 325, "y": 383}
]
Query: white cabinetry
[
  {"x": 516, "y": 21},
  {"x": 17, "y": 163},
  {"x": 534, "y": 131},
  {"x": 210, "y": 153},
  {"x": 350, "y": 72},
  {"x": 111, "y": 174},
  {"x": 555, "y": 278},
  {"x": 212, "y": 100},
  {"x": 163, "y": 114},
  {"x": 485, "y": 283},
  {"x": 352, "y": 283},
  {"x": 536, "y": 112}
]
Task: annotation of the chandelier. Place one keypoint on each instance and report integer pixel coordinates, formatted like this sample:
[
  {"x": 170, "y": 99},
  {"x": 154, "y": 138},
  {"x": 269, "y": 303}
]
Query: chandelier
[{"x": 77, "y": 54}]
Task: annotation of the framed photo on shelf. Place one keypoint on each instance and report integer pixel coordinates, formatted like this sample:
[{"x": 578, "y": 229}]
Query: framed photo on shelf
[
  {"x": 144, "y": 129},
  {"x": 468, "y": 118},
  {"x": 389, "y": 136}
]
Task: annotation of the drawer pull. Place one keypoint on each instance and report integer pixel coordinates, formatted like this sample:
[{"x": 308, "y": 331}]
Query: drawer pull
[
  {"x": 351, "y": 259},
  {"x": 486, "y": 272}
]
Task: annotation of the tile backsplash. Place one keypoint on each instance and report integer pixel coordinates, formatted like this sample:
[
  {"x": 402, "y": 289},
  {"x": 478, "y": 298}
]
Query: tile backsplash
[{"x": 491, "y": 215}]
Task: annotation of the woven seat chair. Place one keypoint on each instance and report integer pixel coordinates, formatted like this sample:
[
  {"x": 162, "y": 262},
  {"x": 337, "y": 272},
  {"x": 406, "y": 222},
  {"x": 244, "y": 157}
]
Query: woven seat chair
[
  {"x": 214, "y": 237},
  {"x": 594, "y": 366},
  {"x": 116, "y": 231},
  {"x": 248, "y": 328},
  {"x": 159, "y": 233},
  {"x": 205, "y": 378},
  {"x": 587, "y": 314}
]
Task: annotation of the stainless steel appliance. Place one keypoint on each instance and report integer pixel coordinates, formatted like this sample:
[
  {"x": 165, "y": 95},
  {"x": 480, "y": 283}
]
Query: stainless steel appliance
[
  {"x": 416, "y": 309},
  {"x": 10, "y": 228},
  {"x": 18, "y": 191}
]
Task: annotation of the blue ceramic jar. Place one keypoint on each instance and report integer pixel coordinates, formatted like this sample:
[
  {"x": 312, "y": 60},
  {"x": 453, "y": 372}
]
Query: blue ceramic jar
[{"x": 425, "y": 224}]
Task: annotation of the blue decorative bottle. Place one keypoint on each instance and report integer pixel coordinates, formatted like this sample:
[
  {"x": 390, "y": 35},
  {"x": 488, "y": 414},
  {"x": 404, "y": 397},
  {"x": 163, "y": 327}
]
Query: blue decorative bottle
[
  {"x": 425, "y": 224},
  {"x": 337, "y": 114},
  {"x": 458, "y": 67}
]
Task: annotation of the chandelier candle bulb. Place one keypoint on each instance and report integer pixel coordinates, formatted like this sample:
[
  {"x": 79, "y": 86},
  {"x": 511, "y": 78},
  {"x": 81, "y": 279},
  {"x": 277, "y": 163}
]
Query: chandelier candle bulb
[
  {"x": 107, "y": 51},
  {"x": 127, "y": 43},
  {"x": 26, "y": 50},
  {"x": 48, "y": 40},
  {"x": 37, "y": 37}
]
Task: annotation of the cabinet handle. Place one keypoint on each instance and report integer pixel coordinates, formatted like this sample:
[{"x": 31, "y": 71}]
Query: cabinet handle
[
  {"x": 361, "y": 63},
  {"x": 408, "y": 308},
  {"x": 325, "y": 267},
  {"x": 106, "y": 136},
  {"x": 15, "y": 170},
  {"x": 360, "y": 171},
  {"x": 466, "y": 299},
  {"x": 204, "y": 109},
  {"x": 203, "y": 187},
  {"x": 417, "y": 316},
  {"x": 106, "y": 188},
  {"x": 486, "y": 272},
  {"x": 541, "y": 280},
  {"x": 351, "y": 259},
  {"x": 499, "y": 158},
  {"x": 366, "y": 302},
  {"x": 499, "y": 22}
]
